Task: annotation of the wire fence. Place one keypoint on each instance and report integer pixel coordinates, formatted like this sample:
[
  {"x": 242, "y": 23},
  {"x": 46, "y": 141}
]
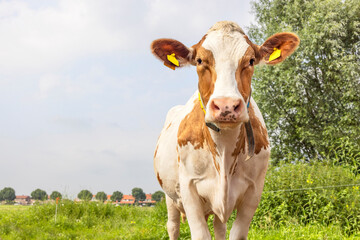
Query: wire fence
[{"x": 313, "y": 188}]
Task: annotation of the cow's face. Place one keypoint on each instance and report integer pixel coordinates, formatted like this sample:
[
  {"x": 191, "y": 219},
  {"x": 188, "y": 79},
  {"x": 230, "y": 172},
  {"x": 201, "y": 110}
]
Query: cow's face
[{"x": 225, "y": 59}]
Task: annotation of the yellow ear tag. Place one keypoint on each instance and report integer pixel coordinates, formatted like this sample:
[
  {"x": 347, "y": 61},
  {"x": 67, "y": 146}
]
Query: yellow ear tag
[
  {"x": 173, "y": 59},
  {"x": 276, "y": 54}
]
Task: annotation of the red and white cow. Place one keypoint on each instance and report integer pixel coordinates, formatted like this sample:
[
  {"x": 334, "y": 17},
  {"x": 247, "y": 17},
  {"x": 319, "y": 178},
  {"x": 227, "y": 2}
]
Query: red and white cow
[{"x": 213, "y": 152}]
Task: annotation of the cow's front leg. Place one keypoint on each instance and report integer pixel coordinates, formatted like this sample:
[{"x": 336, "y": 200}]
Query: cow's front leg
[
  {"x": 173, "y": 223},
  {"x": 245, "y": 213},
  {"x": 194, "y": 210}
]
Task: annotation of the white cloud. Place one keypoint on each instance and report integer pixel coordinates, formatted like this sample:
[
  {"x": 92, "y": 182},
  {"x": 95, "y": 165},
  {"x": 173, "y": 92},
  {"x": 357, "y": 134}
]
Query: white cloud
[
  {"x": 43, "y": 39},
  {"x": 189, "y": 20},
  {"x": 48, "y": 83}
]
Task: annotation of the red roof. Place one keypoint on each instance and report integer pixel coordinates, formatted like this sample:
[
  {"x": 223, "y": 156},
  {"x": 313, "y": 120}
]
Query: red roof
[
  {"x": 127, "y": 197},
  {"x": 22, "y": 197}
]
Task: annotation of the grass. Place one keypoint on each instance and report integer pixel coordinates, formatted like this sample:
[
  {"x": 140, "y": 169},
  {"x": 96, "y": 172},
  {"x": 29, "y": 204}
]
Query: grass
[
  {"x": 5, "y": 208},
  {"x": 329, "y": 213},
  {"x": 104, "y": 221}
]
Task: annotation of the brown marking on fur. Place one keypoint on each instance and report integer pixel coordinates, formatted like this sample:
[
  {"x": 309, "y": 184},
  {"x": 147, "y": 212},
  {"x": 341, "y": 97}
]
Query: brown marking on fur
[
  {"x": 183, "y": 217},
  {"x": 206, "y": 73},
  {"x": 206, "y": 70},
  {"x": 193, "y": 130},
  {"x": 156, "y": 149},
  {"x": 244, "y": 73},
  {"x": 260, "y": 132},
  {"x": 239, "y": 147},
  {"x": 159, "y": 179},
  {"x": 234, "y": 169},
  {"x": 196, "y": 47},
  {"x": 260, "y": 138},
  {"x": 168, "y": 126},
  {"x": 178, "y": 155},
  {"x": 256, "y": 49}
]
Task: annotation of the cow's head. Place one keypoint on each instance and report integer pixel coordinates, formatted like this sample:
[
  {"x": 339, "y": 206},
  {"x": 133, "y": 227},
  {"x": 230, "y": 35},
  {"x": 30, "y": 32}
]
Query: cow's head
[{"x": 225, "y": 60}]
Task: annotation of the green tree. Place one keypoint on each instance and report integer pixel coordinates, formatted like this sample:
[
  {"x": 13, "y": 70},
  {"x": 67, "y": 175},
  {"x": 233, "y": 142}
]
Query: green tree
[
  {"x": 158, "y": 196},
  {"x": 138, "y": 194},
  {"x": 85, "y": 195},
  {"x": 1, "y": 196},
  {"x": 101, "y": 196},
  {"x": 8, "y": 194},
  {"x": 311, "y": 102},
  {"x": 116, "y": 196},
  {"x": 39, "y": 194},
  {"x": 55, "y": 194}
]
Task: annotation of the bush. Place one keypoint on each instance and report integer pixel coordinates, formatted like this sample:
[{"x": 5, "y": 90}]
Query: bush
[{"x": 310, "y": 193}]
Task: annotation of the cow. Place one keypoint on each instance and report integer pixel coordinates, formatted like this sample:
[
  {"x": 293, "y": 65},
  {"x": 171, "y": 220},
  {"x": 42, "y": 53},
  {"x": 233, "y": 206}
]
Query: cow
[{"x": 212, "y": 154}]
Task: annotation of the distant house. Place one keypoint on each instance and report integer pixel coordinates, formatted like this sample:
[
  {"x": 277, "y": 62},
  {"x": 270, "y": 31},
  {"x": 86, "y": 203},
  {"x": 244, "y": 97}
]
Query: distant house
[
  {"x": 23, "y": 200},
  {"x": 107, "y": 198},
  {"x": 127, "y": 200},
  {"x": 148, "y": 200}
]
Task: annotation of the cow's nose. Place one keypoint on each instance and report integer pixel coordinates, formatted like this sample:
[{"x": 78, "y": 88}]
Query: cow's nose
[{"x": 226, "y": 109}]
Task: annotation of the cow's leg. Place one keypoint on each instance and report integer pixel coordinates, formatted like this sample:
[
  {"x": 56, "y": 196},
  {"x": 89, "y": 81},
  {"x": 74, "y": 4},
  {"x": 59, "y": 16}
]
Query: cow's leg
[
  {"x": 194, "y": 212},
  {"x": 173, "y": 223},
  {"x": 219, "y": 229},
  {"x": 245, "y": 213}
]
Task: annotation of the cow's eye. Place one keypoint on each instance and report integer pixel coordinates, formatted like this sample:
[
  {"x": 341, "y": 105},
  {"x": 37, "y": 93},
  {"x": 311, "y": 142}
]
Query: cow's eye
[
  {"x": 199, "y": 61},
  {"x": 252, "y": 61}
]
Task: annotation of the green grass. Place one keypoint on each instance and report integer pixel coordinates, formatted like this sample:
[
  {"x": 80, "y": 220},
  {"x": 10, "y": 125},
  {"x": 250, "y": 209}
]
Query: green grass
[
  {"x": 102, "y": 221},
  {"x": 5, "y": 208},
  {"x": 329, "y": 213}
]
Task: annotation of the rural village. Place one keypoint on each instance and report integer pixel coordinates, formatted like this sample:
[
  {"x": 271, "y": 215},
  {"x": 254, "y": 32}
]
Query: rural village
[{"x": 126, "y": 200}]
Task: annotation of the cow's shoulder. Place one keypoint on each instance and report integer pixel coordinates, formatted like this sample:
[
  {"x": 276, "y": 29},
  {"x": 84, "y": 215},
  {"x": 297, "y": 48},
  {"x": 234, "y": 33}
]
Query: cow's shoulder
[{"x": 191, "y": 128}]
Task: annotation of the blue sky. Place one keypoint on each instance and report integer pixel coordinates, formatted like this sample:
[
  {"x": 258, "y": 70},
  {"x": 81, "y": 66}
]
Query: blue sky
[{"x": 82, "y": 99}]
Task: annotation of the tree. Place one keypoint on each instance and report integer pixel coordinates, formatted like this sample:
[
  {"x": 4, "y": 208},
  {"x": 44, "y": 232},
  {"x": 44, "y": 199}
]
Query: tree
[
  {"x": 8, "y": 194},
  {"x": 101, "y": 196},
  {"x": 116, "y": 196},
  {"x": 39, "y": 194},
  {"x": 85, "y": 195},
  {"x": 1, "y": 196},
  {"x": 158, "y": 196},
  {"x": 55, "y": 194},
  {"x": 311, "y": 102},
  {"x": 138, "y": 194}
]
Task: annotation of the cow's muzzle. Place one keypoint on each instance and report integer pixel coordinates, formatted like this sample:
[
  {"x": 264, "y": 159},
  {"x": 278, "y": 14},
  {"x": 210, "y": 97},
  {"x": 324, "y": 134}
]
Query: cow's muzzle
[{"x": 228, "y": 111}]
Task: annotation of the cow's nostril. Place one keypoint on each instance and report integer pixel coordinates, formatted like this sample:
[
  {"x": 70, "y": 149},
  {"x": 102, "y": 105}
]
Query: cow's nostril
[
  {"x": 214, "y": 106},
  {"x": 237, "y": 108}
]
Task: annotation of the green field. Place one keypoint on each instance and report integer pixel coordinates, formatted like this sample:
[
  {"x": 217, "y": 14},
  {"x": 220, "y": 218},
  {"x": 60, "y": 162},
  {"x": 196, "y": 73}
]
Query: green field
[
  {"x": 300, "y": 201},
  {"x": 105, "y": 221}
]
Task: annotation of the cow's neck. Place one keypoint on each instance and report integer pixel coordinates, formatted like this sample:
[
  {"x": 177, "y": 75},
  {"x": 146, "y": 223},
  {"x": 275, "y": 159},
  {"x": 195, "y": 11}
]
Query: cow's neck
[{"x": 225, "y": 141}]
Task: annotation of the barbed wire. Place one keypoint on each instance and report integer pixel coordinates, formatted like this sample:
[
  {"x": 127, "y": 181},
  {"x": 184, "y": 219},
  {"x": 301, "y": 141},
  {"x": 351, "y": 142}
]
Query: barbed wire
[{"x": 313, "y": 188}]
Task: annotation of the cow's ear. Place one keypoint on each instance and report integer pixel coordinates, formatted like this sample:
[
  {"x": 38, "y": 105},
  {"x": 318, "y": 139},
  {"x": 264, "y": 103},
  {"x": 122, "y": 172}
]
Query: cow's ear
[
  {"x": 166, "y": 49},
  {"x": 278, "y": 47}
]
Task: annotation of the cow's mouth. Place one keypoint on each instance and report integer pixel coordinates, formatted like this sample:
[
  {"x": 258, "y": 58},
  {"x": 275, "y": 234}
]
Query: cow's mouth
[{"x": 227, "y": 124}]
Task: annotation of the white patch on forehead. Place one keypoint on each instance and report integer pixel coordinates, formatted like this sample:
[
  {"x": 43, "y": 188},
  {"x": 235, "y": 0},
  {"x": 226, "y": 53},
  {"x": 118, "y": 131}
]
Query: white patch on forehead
[{"x": 227, "y": 48}]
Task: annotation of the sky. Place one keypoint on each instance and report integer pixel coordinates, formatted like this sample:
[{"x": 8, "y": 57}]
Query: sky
[{"x": 82, "y": 99}]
